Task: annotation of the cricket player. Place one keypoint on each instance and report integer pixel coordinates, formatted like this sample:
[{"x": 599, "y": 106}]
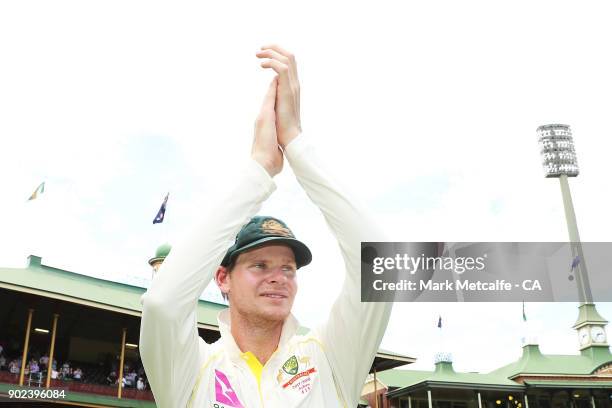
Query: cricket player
[{"x": 260, "y": 360}]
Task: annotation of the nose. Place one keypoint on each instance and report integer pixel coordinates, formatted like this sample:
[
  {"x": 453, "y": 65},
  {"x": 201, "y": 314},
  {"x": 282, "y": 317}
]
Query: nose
[{"x": 277, "y": 275}]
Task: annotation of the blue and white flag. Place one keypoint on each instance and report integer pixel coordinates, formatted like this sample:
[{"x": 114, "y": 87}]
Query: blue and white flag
[{"x": 159, "y": 218}]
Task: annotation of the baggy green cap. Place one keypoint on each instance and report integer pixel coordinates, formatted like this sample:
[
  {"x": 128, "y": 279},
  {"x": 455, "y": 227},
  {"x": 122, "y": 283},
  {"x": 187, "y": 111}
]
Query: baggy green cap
[{"x": 262, "y": 230}]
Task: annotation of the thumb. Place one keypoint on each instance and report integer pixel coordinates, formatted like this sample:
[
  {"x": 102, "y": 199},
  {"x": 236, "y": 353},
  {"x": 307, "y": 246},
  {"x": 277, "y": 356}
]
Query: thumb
[{"x": 270, "y": 98}]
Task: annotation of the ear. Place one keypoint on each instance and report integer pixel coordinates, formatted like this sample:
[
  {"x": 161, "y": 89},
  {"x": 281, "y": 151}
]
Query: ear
[{"x": 222, "y": 278}]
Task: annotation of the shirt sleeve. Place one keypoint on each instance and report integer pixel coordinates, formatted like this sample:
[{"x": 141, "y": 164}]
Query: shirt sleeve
[
  {"x": 353, "y": 331},
  {"x": 169, "y": 341}
]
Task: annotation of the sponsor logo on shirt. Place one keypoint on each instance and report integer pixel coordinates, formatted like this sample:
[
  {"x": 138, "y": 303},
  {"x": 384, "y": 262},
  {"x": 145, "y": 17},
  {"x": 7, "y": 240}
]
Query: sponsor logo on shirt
[{"x": 224, "y": 392}]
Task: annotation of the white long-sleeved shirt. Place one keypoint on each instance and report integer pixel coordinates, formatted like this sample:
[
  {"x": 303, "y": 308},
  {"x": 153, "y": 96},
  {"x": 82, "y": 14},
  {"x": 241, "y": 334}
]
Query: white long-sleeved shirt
[{"x": 324, "y": 368}]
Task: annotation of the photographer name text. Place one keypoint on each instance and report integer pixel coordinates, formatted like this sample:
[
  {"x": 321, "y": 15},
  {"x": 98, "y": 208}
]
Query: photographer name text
[{"x": 464, "y": 285}]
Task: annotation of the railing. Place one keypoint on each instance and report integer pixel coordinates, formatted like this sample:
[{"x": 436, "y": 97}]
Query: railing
[{"x": 83, "y": 387}]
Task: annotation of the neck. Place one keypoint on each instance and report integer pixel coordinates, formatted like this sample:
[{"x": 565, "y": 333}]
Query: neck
[{"x": 259, "y": 336}]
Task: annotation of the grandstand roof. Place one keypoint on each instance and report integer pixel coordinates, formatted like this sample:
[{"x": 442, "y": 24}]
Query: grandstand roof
[
  {"x": 444, "y": 376},
  {"x": 532, "y": 361},
  {"x": 44, "y": 280},
  {"x": 551, "y": 371}
]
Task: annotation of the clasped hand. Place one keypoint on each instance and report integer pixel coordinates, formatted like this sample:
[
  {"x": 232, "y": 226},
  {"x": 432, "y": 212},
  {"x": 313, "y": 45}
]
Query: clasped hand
[{"x": 278, "y": 122}]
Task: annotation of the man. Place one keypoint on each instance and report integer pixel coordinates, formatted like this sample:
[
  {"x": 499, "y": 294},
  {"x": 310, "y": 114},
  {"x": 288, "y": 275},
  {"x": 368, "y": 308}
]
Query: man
[
  {"x": 111, "y": 379},
  {"x": 14, "y": 367},
  {"x": 44, "y": 361},
  {"x": 34, "y": 368},
  {"x": 260, "y": 360},
  {"x": 140, "y": 385}
]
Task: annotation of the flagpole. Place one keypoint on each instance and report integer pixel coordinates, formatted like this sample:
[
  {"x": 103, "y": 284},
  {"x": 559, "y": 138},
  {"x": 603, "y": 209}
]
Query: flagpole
[
  {"x": 35, "y": 221},
  {"x": 165, "y": 230},
  {"x": 441, "y": 345},
  {"x": 160, "y": 218},
  {"x": 525, "y": 331},
  {"x": 165, "y": 223}
]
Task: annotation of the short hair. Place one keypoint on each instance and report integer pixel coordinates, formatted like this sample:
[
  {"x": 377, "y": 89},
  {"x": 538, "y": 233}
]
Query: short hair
[{"x": 229, "y": 268}]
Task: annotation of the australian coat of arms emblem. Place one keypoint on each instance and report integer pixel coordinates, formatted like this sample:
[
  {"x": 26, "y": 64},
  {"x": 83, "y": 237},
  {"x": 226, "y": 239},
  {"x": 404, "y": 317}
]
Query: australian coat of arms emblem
[{"x": 291, "y": 366}]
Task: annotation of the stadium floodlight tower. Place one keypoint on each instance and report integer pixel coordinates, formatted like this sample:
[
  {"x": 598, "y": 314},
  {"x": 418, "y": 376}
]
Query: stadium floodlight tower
[{"x": 559, "y": 160}]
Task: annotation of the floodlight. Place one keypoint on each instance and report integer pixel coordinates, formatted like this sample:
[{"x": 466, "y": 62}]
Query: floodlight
[{"x": 557, "y": 150}]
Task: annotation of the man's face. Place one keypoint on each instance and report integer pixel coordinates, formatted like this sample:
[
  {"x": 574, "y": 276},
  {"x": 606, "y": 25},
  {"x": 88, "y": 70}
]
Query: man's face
[{"x": 263, "y": 283}]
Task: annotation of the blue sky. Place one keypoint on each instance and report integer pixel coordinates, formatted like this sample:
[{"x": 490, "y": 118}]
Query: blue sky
[{"x": 426, "y": 110}]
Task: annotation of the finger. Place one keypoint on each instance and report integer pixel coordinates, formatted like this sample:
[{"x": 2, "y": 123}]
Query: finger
[
  {"x": 277, "y": 53},
  {"x": 292, "y": 64},
  {"x": 266, "y": 115},
  {"x": 281, "y": 69},
  {"x": 273, "y": 55},
  {"x": 278, "y": 49},
  {"x": 270, "y": 98}
]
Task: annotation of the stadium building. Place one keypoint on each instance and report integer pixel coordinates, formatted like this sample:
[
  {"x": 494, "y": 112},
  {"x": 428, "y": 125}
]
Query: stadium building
[
  {"x": 535, "y": 380},
  {"x": 88, "y": 330}
]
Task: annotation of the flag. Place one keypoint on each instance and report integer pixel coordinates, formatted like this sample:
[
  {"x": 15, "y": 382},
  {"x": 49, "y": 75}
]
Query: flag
[
  {"x": 524, "y": 315},
  {"x": 575, "y": 262},
  {"x": 439, "y": 322},
  {"x": 162, "y": 211},
  {"x": 39, "y": 190}
]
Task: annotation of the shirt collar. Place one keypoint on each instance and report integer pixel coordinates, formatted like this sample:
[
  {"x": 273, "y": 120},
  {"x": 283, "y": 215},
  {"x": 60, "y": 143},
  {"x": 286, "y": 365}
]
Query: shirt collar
[{"x": 288, "y": 331}]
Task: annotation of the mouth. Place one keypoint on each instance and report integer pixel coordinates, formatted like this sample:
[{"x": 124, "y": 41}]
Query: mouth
[{"x": 274, "y": 295}]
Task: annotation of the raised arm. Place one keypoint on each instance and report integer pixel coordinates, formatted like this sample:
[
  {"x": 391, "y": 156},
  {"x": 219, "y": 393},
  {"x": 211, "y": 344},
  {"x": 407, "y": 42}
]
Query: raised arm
[
  {"x": 170, "y": 347},
  {"x": 352, "y": 333}
]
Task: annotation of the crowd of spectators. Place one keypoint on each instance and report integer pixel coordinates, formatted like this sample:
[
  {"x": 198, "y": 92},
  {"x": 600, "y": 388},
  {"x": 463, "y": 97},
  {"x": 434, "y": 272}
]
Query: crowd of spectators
[
  {"x": 132, "y": 377},
  {"x": 36, "y": 370}
]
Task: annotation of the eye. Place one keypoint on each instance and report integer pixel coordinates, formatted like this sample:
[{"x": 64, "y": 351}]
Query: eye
[
  {"x": 259, "y": 265},
  {"x": 289, "y": 270}
]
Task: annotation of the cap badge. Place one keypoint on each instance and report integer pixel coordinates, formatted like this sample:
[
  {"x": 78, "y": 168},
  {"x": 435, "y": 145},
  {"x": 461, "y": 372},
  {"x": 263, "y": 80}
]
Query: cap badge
[{"x": 274, "y": 227}]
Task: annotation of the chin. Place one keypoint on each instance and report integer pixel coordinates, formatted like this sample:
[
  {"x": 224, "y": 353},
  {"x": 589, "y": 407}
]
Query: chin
[
  {"x": 275, "y": 311},
  {"x": 275, "y": 314}
]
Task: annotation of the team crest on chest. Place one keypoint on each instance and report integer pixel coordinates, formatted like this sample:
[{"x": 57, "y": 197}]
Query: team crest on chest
[
  {"x": 297, "y": 374},
  {"x": 291, "y": 365}
]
